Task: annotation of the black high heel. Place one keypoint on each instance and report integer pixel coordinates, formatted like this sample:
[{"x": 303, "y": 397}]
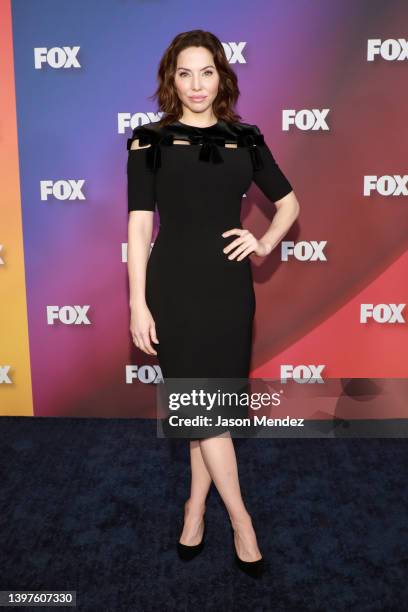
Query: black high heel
[
  {"x": 255, "y": 569},
  {"x": 186, "y": 553}
]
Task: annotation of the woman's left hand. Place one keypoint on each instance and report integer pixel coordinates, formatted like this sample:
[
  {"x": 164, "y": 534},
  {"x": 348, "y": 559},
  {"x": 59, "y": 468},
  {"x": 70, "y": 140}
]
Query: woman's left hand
[{"x": 245, "y": 244}]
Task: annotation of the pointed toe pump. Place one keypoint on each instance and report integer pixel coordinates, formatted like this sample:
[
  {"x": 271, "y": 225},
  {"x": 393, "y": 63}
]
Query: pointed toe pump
[
  {"x": 186, "y": 553},
  {"x": 255, "y": 569}
]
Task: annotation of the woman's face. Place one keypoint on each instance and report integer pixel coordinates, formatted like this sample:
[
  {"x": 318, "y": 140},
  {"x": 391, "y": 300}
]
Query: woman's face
[{"x": 196, "y": 79}]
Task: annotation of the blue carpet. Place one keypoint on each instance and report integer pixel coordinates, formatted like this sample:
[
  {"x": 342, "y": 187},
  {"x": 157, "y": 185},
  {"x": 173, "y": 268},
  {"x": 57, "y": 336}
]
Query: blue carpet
[{"x": 95, "y": 505}]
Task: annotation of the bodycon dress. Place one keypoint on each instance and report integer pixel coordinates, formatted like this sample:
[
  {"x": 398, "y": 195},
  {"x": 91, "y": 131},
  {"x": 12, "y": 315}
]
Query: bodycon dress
[{"x": 203, "y": 303}]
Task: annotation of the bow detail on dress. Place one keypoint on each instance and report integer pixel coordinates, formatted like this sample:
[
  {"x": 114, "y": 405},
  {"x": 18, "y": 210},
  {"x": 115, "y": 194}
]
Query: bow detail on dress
[
  {"x": 251, "y": 141},
  {"x": 149, "y": 137},
  {"x": 210, "y": 144},
  {"x": 153, "y": 153},
  {"x": 209, "y": 151}
]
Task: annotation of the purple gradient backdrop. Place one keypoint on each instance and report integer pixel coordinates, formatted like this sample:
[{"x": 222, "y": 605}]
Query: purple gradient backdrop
[{"x": 299, "y": 55}]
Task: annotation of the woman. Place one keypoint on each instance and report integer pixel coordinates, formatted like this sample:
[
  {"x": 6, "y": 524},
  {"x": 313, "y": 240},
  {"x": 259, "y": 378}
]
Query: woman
[{"x": 193, "y": 298}]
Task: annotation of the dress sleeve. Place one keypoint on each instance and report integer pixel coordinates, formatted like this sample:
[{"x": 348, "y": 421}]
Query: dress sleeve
[
  {"x": 269, "y": 177},
  {"x": 140, "y": 177}
]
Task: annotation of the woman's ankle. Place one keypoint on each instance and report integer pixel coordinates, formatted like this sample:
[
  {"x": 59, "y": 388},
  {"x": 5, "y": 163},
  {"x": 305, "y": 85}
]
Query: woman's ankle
[{"x": 243, "y": 519}]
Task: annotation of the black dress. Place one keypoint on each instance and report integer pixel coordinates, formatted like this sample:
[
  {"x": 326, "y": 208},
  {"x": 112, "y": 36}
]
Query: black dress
[{"x": 203, "y": 303}]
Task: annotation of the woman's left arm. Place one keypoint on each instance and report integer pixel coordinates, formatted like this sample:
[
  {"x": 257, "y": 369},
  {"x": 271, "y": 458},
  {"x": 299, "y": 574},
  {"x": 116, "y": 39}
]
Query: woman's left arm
[
  {"x": 275, "y": 185},
  {"x": 288, "y": 210},
  {"x": 277, "y": 188}
]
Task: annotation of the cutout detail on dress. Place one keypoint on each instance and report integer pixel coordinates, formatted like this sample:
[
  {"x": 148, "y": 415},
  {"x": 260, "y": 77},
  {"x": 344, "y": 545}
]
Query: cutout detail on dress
[{"x": 222, "y": 135}]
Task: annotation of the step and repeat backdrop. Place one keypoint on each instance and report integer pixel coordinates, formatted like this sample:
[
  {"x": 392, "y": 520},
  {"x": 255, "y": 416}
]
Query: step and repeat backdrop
[{"x": 327, "y": 85}]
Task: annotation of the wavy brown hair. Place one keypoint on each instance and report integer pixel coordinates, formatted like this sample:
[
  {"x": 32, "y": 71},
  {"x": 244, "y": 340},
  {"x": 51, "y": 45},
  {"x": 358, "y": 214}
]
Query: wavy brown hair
[{"x": 166, "y": 94}]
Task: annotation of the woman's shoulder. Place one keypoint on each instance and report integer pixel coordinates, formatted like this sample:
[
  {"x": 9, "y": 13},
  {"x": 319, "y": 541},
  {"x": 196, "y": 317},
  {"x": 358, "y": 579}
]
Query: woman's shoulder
[
  {"x": 243, "y": 133},
  {"x": 245, "y": 128},
  {"x": 244, "y": 125},
  {"x": 148, "y": 133},
  {"x": 150, "y": 129}
]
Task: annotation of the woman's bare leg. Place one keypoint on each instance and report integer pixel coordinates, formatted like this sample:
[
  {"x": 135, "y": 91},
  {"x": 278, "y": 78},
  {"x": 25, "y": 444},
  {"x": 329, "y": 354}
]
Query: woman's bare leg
[
  {"x": 219, "y": 457},
  {"x": 194, "y": 507}
]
